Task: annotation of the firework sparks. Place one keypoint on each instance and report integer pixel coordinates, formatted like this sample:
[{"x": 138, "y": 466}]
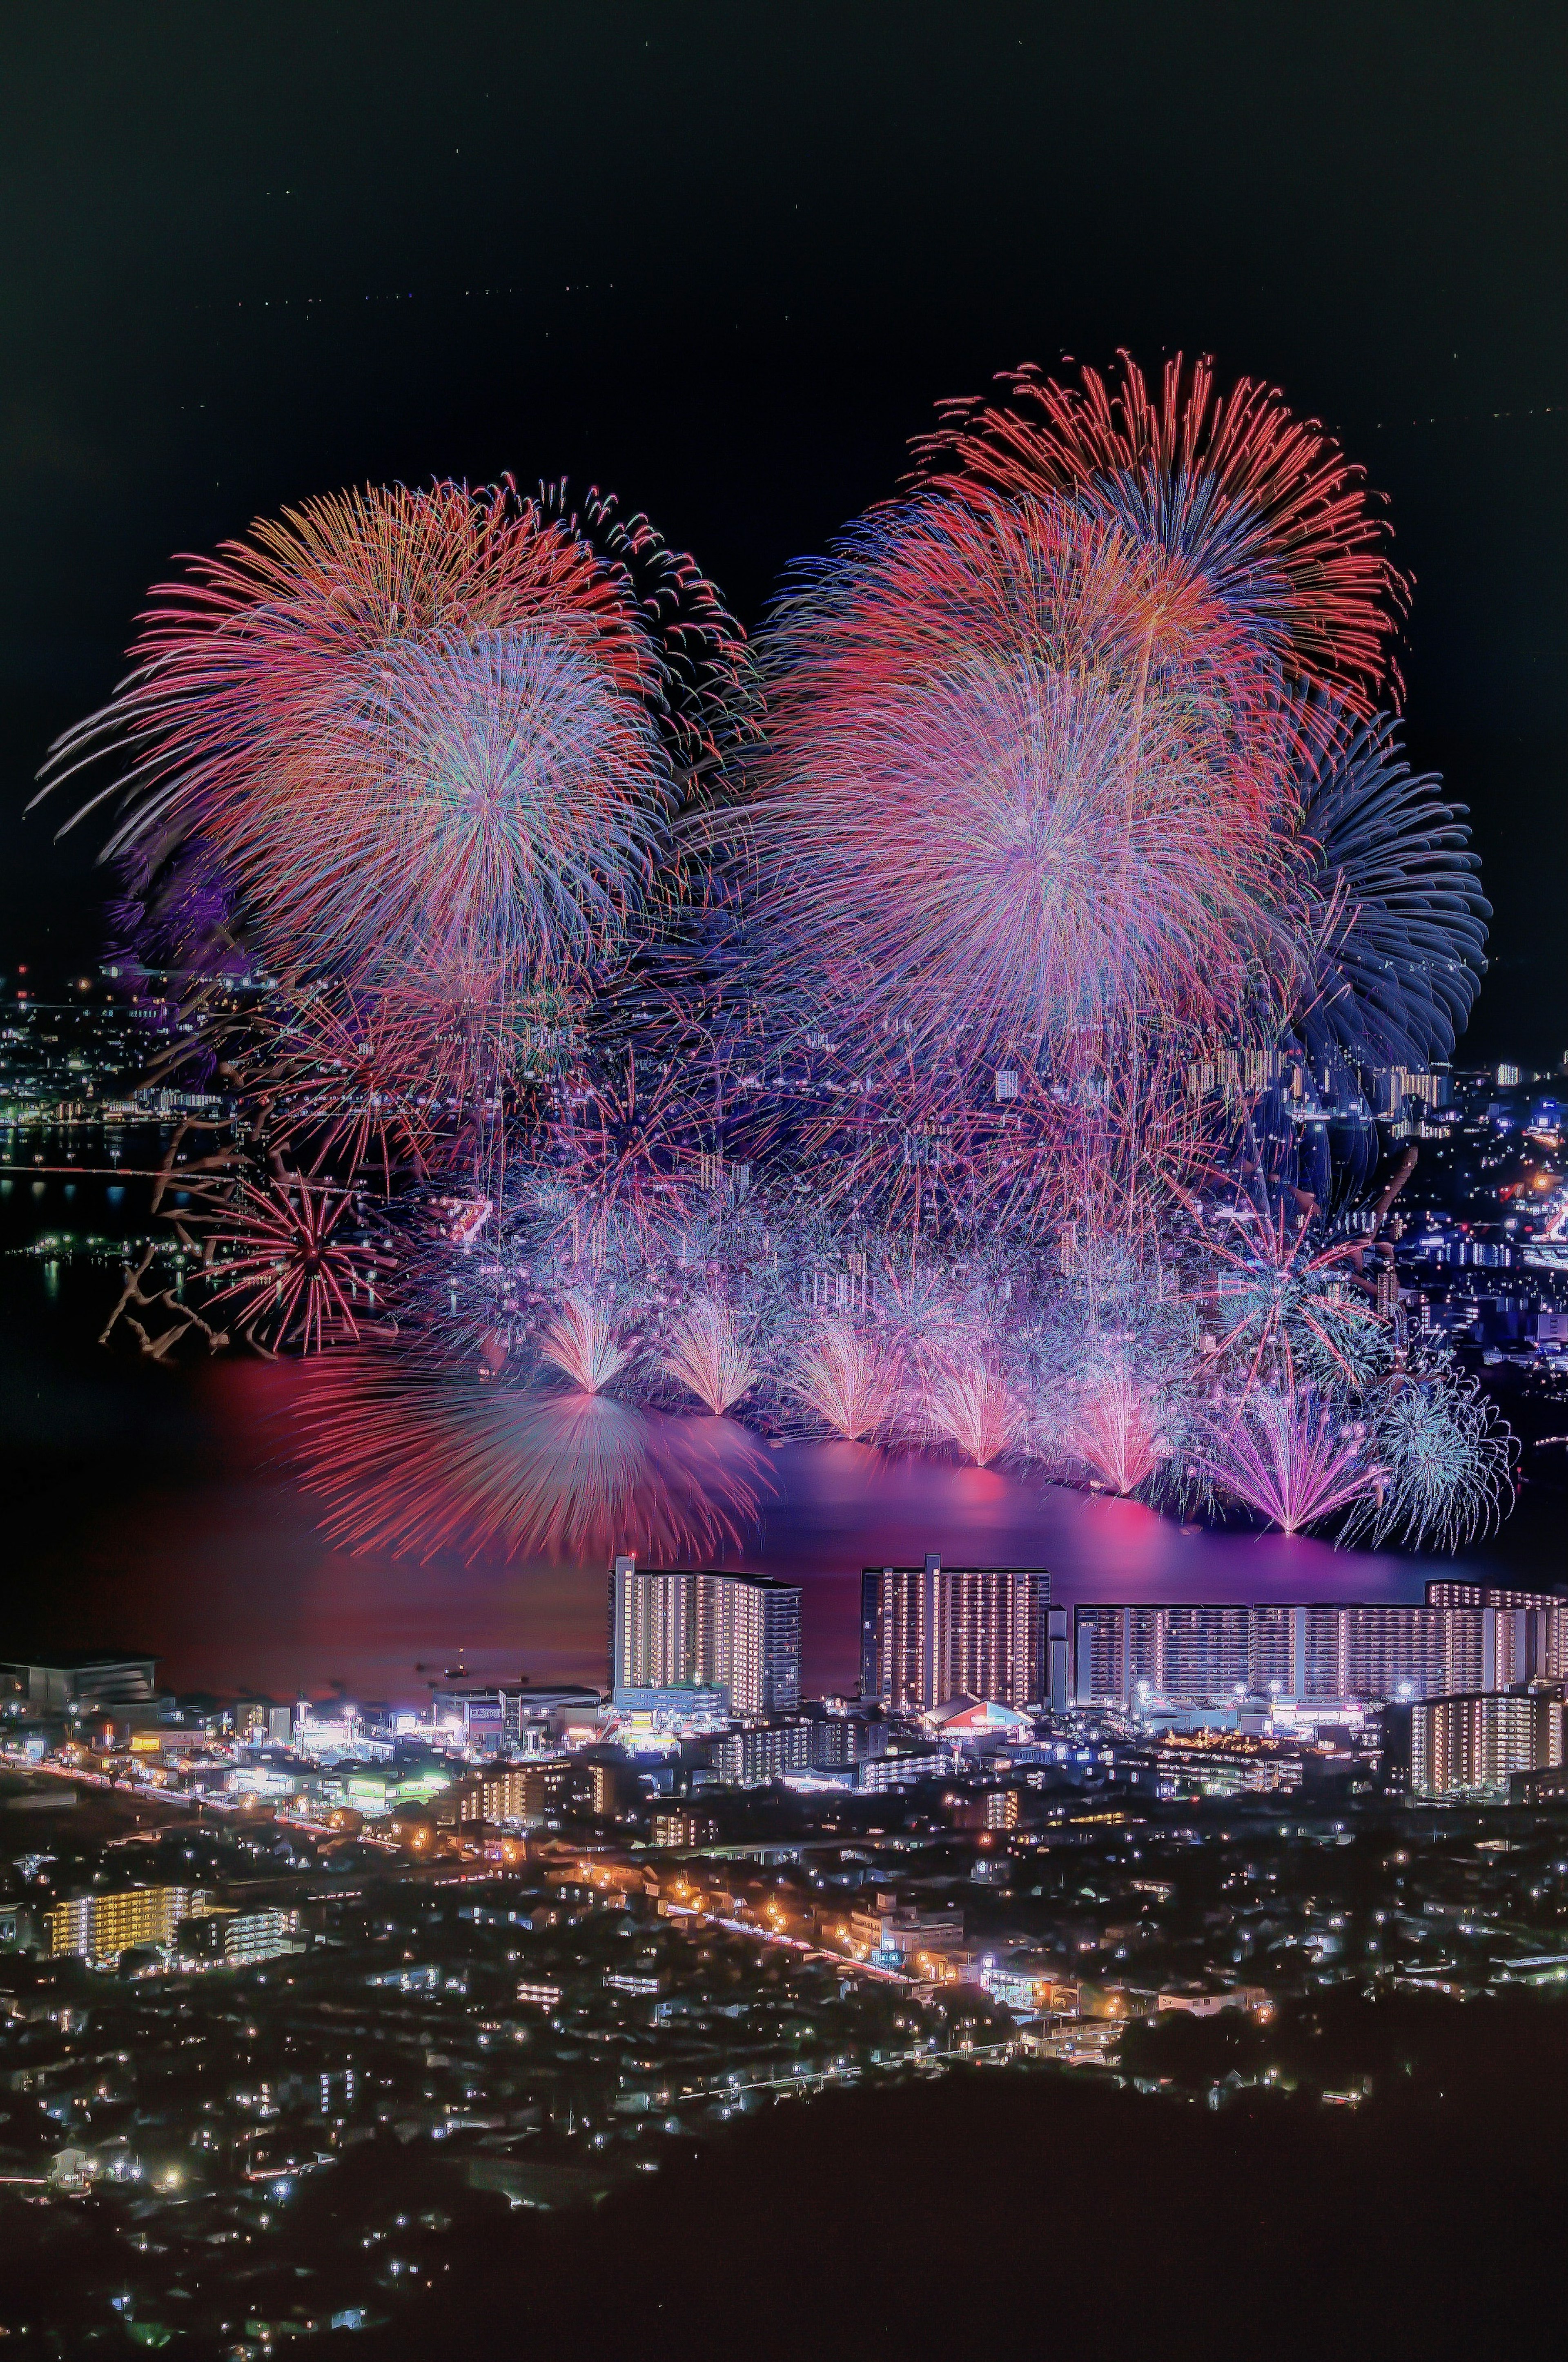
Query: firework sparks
[
  {"x": 582, "y": 1342},
  {"x": 1287, "y": 1456},
  {"x": 706, "y": 1353},
  {"x": 1013, "y": 790},
  {"x": 421, "y": 1464},
  {"x": 277, "y": 1257},
  {"x": 971, "y": 1405},
  {"x": 845, "y": 1382},
  {"x": 1263, "y": 506}
]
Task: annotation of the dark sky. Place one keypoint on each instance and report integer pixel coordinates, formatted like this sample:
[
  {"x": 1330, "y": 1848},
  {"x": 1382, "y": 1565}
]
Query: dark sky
[{"x": 724, "y": 259}]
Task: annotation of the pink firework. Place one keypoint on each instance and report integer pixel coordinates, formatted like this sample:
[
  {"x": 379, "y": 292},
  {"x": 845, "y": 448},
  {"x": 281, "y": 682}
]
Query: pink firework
[
  {"x": 278, "y": 1262},
  {"x": 1115, "y": 1430},
  {"x": 706, "y": 1353},
  {"x": 1287, "y": 1456},
  {"x": 971, "y": 1405},
  {"x": 1263, "y": 506},
  {"x": 1023, "y": 780},
  {"x": 584, "y": 1343},
  {"x": 416, "y": 1464},
  {"x": 846, "y": 1382}
]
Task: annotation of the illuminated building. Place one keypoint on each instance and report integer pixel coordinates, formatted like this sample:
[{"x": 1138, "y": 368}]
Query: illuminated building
[
  {"x": 763, "y": 1752},
  {"x": 507, "y": 1715},
  {"x": 1027, "y": 1984},
  {"x": 1472, "y": 1744},
  {"x": 676, "y": 1630},
  {"x": 259, "y": 1723},
  {"x": 895, "y": 1936},
  {"x": 932, "y": 1633},
  {"x": 1463, "y": 1637},
  {"x": 508, "y": 1794},
  {"x": 513, "y": 1791},
  {"x": 236, "y": 1939},
  {"x": 682, "y": 1827},
  {"x": 100, "y": 1926}
]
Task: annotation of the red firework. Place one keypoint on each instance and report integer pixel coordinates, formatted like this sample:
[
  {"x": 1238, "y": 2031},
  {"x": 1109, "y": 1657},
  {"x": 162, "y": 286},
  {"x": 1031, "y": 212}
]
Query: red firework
[
  {"x": 417, "y": 1463},
  {"x": 275, "y": 1256},
  {"x": 1264, "y": 505},
  {"x": 341, "y": 1084}
]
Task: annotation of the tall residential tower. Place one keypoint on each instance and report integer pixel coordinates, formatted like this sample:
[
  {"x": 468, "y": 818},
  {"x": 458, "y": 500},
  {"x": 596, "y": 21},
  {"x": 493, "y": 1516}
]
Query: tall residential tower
[
  {"x": 936, "y": 1632},
  {"x": 678, "y": 1629}
]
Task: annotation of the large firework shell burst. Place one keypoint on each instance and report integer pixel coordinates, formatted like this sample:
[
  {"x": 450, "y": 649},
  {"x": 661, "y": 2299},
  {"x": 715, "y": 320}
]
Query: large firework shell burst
[
  {"x": 417, "y": 726},
  {"x": 1021, "y": 781},
  {"x": 1396, "y": 910}
]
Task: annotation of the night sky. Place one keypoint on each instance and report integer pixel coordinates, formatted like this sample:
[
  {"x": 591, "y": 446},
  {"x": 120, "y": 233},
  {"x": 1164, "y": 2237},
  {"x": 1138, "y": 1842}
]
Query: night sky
[{"x": 724, "y": 259}]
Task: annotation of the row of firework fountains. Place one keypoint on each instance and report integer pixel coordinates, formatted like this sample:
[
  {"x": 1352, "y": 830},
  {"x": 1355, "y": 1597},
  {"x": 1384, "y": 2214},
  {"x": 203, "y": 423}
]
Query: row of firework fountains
[{"x": 643, "y": 1042}]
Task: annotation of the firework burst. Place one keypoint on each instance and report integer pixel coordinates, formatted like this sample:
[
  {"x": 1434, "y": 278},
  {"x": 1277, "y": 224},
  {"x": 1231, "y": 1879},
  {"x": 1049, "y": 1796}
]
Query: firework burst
[
  {"x": 1289, "y": 1456},
  {"x": 1014, "y": 793},
  {"x": 845, "y": 1382},
  {"x": 1261, "y": 506},
  {"x": 1393, "y": 905},
  {"x": 421, "y": 1463},
  {"x": 706, "y": 1353},
  {"x": 282, "y": 1267}
]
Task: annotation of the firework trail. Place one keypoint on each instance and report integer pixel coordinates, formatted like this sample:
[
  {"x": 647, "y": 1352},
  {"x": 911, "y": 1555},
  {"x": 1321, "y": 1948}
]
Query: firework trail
[
  {"x": 971, "y": 1405},
  {"x": 1116, "y": 1428},
  {"x": 582, "y": 1342},
  {"x": 1263, "y": 507},
  {"x": 337, "y": 1081},
  {"x": 417, "y": 1464},
  {"x": 278, "y": 1261},
  {"x": 845, "y": 1382}
]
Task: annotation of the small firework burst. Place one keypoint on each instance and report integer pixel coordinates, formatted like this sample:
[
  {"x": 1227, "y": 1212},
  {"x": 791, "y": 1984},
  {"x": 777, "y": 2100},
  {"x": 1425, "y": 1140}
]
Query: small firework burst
[{"x": 284, "y": 1263}]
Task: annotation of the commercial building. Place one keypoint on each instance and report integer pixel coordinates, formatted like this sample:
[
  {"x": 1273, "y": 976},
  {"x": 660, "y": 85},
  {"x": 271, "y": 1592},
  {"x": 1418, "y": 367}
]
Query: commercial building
[
  {"x": 1471, "y": 1744},
  {"x": 1463, "y": 1637},
  {"x": 936, "y": 1632},
  {"x": 257, "y": 1722},
  {"x": 511, "y": 1716},
  {"x": 100, "y": 1926},
  {"x": 676, "y": 1630}
]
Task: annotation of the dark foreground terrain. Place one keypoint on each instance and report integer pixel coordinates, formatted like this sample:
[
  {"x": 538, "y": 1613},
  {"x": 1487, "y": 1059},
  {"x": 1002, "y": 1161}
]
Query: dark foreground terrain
[{"x": 1037, "y": 2213}]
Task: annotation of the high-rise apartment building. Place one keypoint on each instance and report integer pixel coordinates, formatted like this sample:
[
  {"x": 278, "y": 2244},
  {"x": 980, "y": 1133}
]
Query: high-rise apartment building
[
  {"x": 1472, "y": 1744},
  {"x": 681, "y": 1630},
  {"x": 1463, "y": 1637},
  {"x": 936, "y": 1632}
]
